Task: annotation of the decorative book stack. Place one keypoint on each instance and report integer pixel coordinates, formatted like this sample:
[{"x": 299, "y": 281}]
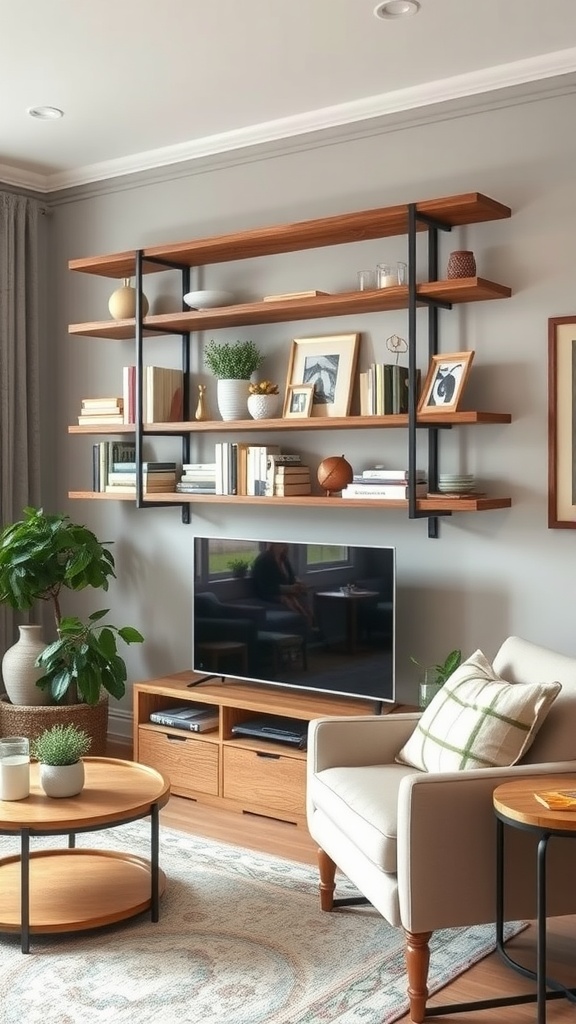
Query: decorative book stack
[
  {"x": 291, "y": 480},
  {"x": 157, "y": 478},
  {"x": 197, "y": 478},
  {"x": 108, "y": 456},
  {"x": 385, "y": 484},
  {"x": 101, "y": 411},
  {"x": 192, "y": 717}
]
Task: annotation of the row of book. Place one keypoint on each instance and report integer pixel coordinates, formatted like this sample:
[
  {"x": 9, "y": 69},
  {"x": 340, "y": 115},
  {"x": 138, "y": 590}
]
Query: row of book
[
  {"x": 259, "y": 470},
  {"x": 383, "y": 389},
  {"x": 114, "y": 470},
  {"x": 384, "y": 484},
  {"x": 162, "y": 399}
]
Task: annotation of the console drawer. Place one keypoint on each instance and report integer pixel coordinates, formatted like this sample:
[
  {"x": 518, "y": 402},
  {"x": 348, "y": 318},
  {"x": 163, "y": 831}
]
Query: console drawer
[
  {"x": 270, "y": 780},
  {"x": 190, "y": 764}
]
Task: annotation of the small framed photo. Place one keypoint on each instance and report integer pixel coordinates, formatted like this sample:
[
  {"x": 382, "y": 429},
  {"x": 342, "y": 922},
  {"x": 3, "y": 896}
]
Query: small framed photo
[
  {"x": 445, "y": 381},
  {"x": 328, "y": 364},
  {"x": 298, "y": 400},
  {"x": 561, "y": 420}
]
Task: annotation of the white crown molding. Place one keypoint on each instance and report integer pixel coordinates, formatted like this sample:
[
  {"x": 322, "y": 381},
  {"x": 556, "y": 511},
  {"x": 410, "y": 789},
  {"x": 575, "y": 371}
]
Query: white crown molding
[{"x": 473, "y": 83}]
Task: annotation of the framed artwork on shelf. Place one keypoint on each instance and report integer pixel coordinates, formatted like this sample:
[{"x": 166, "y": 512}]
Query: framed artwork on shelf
[
  {"x": 298, "y": 400},
  {"x": 328, "y": 364},
  {"x": 561, "y": 422},
  {"x": 445, "y": 381}
]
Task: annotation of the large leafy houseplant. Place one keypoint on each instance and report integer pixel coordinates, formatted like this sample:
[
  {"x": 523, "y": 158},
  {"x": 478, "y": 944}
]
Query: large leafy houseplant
[{"x": 41, "y": 554}]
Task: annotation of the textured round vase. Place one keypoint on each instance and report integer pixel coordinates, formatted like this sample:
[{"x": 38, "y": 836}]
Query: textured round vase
[
  {"x": 61, "y": 780},
  {"x": 233, "y": 399},
  {"x": 461, "y": 263},
  {"x": 19, "y": 671},
  {"x": 263, "y": 407},
  {"x": 122, "y": 302}
]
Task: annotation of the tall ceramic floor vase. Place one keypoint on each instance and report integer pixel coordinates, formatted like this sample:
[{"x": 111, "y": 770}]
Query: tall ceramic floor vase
[
  {"x": 19, "y": 671},
  {"x": 233, "y": 399}
]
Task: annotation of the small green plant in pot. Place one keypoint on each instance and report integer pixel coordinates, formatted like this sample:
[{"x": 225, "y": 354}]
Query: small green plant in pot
[
  {"x": 60, "y": 750},
  {"x": 232, "y": 363},
  {"x": 433, "y": 677},
  {"x": 239, "y": 567}
]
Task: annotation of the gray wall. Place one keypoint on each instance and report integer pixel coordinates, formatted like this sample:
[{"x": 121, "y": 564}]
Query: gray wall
[{"x": 489, "y": 575}]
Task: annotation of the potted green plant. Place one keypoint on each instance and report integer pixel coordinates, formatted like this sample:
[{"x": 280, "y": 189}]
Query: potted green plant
[
  {"x": 39, "y": 556},
  {"x": 232, "y": 363},
  {"x": 434, "y": 676},
  {"x": 60, "y": 750},
  {"x": 239, "y": 567}
]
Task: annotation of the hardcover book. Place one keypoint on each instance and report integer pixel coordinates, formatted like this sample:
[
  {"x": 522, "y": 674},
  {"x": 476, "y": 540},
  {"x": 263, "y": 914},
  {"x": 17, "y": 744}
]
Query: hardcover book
[{"x": 190, "y": 717}]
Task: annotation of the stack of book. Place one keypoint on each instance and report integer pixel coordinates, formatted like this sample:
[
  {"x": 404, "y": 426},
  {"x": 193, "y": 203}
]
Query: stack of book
[
  {"x": 192, "y": 717},
  {"x": 197, "y": 478},
  {"x": 157, "y": 478},
  {"x": 291, "y": 479},
  {"x": 162, "y": 394},
  {"x": 385, "y": 484},
  {"x": 97, "y": 412},
  {"x": 108, "y": 456}
]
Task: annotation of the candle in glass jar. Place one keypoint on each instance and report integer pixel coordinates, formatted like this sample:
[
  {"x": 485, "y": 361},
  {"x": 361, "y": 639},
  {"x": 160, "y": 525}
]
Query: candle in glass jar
[{"x": 14, "y": 768}]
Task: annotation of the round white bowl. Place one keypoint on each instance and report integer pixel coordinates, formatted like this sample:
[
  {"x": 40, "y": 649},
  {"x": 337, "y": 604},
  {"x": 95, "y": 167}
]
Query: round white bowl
[{"x": 208, "y": 299}]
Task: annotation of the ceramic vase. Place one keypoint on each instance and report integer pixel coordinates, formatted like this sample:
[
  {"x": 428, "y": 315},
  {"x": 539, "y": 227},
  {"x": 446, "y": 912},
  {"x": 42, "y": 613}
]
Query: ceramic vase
[
  {"x": 19, "y": 671},
  {"x": 232, "y": 399},
  {"x": 461, "y": 263},
  {"x": 61, "y": 780},
  {"x": 263, "y": 407},
  {"x": 122, "y": 302}
]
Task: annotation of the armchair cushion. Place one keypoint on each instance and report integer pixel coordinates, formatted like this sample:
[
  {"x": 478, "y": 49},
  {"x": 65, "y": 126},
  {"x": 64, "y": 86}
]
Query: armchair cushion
[{"x": 478, "y": 720}]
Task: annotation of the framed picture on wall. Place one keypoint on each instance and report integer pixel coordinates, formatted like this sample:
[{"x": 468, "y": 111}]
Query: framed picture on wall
[
  {"x": 562, "y": 422},
  {"x": 445, "y": 381},
  {"x": 329, "y": 365}
]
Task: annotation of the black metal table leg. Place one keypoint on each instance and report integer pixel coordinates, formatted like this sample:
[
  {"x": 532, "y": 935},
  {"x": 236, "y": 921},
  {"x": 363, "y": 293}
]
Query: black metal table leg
[
  {"x": 25, "y": 890},
  {"x": 154, "y": 856},
  {"x": 541, "y": 929}
]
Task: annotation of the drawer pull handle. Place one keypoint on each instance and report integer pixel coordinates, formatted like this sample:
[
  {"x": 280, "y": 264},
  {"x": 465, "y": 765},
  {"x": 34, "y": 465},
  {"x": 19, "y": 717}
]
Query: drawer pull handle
[
  {"x": 174, "y": 739},
  {"x": 272, "y": 757}
]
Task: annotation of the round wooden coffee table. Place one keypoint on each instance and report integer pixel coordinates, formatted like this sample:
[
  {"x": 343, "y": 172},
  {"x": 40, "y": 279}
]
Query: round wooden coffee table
[{"x": 69, "y": 889}]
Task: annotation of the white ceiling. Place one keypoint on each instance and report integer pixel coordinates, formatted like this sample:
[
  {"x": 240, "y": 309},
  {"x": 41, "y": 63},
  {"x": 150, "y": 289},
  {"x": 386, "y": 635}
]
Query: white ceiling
[{"x": 145, "y": 83}]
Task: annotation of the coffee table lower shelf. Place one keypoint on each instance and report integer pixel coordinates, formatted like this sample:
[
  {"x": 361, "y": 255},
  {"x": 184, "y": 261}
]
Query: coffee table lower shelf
[{"x": 94, "y": 889}]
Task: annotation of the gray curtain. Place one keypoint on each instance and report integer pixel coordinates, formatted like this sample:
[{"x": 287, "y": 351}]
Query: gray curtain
[{"x": 19, "y": 368}]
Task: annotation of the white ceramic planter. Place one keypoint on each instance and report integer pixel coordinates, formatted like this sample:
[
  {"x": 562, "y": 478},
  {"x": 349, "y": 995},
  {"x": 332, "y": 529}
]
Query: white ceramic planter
[
  {"x": 19, "y": 672},
  {"x": 61, "y": 780},
  {"x": 233, "y": 399},
  {"x": 263, "y": 407}
]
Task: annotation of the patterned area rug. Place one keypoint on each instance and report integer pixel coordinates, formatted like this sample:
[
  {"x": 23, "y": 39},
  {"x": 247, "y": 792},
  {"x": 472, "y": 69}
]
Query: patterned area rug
[{"x": 241, "y": 940}]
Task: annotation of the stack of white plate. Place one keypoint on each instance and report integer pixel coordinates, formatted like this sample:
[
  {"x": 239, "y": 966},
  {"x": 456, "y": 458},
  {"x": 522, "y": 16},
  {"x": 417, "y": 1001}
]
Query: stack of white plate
[{"x": 456, "y": 483}]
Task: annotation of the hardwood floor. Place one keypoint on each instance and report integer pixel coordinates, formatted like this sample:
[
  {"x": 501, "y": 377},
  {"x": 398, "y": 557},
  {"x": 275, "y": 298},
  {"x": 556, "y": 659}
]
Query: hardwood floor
[{"x": 490, "y": 978}]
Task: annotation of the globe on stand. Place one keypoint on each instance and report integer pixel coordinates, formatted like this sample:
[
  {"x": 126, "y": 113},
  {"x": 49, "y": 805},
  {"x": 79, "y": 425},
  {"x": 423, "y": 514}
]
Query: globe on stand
[{"x": 334, "y": 473}]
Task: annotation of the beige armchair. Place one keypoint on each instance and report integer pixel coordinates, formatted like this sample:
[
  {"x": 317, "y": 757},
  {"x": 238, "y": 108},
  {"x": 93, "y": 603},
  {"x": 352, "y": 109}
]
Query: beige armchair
[{"x": 421, "y": 846}]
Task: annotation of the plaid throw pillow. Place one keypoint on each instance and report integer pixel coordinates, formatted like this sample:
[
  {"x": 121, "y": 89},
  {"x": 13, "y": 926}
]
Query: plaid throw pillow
[{"x": 478, "y": 720}]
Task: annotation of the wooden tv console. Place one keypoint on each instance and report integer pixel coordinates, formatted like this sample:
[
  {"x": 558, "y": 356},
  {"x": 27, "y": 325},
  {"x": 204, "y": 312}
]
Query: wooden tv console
[{"x": 217, "y": 768}]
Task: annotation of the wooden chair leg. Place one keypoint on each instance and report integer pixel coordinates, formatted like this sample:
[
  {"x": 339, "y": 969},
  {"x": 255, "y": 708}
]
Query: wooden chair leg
[
  {"x": 417, "y": 963},
  {"x": 327, "y": 875}
]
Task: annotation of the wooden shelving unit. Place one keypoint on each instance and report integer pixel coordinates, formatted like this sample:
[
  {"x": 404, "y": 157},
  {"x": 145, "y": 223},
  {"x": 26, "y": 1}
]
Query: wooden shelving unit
[{"x": 431, "y": 215}]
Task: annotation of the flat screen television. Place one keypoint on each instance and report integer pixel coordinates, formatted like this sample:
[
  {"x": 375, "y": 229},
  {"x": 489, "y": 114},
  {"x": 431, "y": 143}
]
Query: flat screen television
[{"x": 324, "y": 623}]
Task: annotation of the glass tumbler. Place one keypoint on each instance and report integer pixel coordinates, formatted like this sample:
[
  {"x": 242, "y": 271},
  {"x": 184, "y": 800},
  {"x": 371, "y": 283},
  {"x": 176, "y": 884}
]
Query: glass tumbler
[
  {"x": 365, "y": 280},
  {"x": 14, "y": 768},
  {"x": 402, "y": 272},
  {"x": 386, "y": 275}
]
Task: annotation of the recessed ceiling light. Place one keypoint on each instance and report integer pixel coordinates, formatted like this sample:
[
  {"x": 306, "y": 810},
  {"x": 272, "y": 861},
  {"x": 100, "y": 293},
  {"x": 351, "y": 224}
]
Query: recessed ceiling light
[
  {"x": 45, "y": 113},
  {"x": 392, "y": 9}
]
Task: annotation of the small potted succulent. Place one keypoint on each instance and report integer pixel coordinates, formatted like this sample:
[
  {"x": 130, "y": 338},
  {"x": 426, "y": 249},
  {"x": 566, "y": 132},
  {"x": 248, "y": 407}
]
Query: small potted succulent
[
  {"x": 232, "y": 363},
  {"x": 60, "y": 750},
  {"x": 263, "y": 400}
]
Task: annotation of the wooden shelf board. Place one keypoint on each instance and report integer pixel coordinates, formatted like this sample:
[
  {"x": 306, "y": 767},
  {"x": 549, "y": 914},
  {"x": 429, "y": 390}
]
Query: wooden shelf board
[
  {"x": 465, "y": 289},
  {"x": 441, "y": 419},
  {"x": 468, "y": 208},
  {"x": 470, "y": 504}
]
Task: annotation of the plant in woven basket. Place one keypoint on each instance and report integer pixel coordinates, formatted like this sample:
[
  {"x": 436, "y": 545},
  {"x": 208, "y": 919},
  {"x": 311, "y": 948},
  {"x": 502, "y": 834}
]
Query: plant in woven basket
[
  {"x": 232, "y": 360},
  {"x": 60, "y": 745},
  {"x": 40, "y": 555}
]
